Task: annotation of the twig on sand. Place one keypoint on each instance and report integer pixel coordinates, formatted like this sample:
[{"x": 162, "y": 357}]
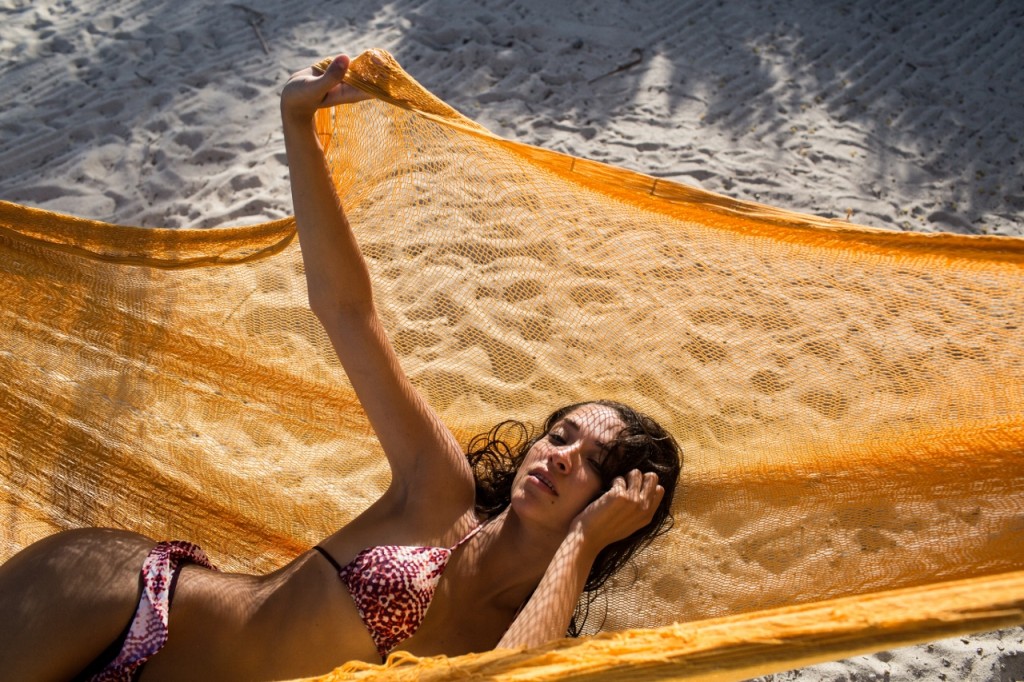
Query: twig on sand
[
  {"x": 255, "y": 19},
  {"x": 638, "y": 51}
]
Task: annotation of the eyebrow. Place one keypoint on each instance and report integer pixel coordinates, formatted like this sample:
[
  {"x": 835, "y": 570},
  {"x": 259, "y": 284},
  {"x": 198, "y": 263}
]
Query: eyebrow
[{"x": 571, "y": 422}]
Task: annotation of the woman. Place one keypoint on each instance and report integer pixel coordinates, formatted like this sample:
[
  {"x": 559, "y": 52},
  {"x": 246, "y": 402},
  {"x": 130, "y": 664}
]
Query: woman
[{"x": 499, "y": 545}]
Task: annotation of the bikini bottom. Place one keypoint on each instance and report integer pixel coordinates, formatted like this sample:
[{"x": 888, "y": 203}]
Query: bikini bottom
[{"x": 146, "y": 633}]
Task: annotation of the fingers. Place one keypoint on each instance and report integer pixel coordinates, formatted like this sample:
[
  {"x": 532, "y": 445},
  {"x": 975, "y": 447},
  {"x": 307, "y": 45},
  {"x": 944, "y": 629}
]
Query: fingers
[
  {"x": 336, "y": 91},
  {"x": 627, "y": 506},
  {"x": 635, "y": 480},
  {"x": 630, "y": 482},
  {"x": 325, "y": 82},
  {"x": 642, "y": 488},
  {"x": 318, "y": 86}
]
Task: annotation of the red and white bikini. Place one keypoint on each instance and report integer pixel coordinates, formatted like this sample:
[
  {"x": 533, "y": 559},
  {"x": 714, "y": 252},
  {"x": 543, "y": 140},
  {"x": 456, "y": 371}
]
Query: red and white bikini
[{"x": 392, "y": 587}]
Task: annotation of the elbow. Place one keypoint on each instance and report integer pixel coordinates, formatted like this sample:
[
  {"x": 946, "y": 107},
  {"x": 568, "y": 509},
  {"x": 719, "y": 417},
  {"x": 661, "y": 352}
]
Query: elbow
[
  {"x": 319, "y": 306},
  {"x": 331, "y": 299},
  {"x": 330, "y": 309}
]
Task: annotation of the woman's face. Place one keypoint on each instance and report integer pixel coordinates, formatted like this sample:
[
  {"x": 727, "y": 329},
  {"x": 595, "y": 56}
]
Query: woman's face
[{"x": 561, "y": 473}]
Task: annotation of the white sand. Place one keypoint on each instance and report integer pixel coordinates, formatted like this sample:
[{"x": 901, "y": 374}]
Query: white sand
[{"x": 902, "y": 115}]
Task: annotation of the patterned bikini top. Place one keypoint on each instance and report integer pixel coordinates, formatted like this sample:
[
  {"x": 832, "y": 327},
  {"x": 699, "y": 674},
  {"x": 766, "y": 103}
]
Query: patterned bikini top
[{"x": 392, "y": 586}]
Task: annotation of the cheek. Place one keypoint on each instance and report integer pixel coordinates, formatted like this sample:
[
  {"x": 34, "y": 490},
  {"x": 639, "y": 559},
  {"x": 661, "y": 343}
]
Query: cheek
[
  {"x": 530, "y": 455},
  {"x": 529, "y": 461},
  {"x": 591, "y": 488},
  {"x": 538, "y": 454}
]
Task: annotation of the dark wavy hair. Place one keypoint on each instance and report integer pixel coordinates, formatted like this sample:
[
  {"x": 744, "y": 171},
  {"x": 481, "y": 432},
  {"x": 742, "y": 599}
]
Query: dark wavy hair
[{"x": 643, "y": 444}]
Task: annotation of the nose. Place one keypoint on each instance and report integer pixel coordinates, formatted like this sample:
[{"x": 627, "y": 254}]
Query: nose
[{"x": 562, "y": 458}]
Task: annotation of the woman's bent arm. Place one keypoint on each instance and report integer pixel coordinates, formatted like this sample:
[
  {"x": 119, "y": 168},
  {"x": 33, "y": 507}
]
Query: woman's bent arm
[{"x": 627, "y": 506}]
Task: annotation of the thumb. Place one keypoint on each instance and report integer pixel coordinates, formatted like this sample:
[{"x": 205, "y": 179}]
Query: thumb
[{"x": 335, "y": 71}]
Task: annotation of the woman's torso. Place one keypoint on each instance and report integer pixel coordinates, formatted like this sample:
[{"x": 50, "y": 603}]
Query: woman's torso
[{"x": 301, "y": 620}]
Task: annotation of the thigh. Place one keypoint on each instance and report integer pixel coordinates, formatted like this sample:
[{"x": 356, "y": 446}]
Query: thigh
[{"x": 65, "y": 598}]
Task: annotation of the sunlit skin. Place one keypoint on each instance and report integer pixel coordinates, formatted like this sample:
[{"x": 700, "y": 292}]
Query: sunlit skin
[{"x": 64, "y": 599}]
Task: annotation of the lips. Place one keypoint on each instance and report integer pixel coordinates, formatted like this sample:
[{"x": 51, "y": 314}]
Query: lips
[{"x": 539, "y": 476}]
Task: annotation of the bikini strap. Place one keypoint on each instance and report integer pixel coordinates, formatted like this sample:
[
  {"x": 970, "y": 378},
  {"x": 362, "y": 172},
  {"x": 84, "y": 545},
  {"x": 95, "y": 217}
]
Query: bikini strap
[
  {"x": 470, "y": 534},
  {"x": 327, "y": 556}
]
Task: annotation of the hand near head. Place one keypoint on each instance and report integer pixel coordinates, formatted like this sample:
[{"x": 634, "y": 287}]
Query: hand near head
[
  {"x": 307, "y": 90},
  {"x": 623, "y": 509}
]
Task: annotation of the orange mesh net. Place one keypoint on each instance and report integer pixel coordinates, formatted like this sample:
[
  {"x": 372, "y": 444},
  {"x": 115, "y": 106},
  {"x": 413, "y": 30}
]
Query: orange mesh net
[{"x": 850, "y": 401}]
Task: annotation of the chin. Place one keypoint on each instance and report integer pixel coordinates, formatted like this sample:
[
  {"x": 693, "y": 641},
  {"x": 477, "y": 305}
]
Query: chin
[{"x": 537, "y": 512}]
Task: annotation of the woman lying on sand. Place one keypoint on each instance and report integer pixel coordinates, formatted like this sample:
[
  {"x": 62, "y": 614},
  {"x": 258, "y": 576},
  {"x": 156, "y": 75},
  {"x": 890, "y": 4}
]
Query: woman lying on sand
[{"x": 499, "y": 544}]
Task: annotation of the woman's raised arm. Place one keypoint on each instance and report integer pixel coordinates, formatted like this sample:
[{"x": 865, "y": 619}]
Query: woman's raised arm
[{"x": 419, "y": 447}]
